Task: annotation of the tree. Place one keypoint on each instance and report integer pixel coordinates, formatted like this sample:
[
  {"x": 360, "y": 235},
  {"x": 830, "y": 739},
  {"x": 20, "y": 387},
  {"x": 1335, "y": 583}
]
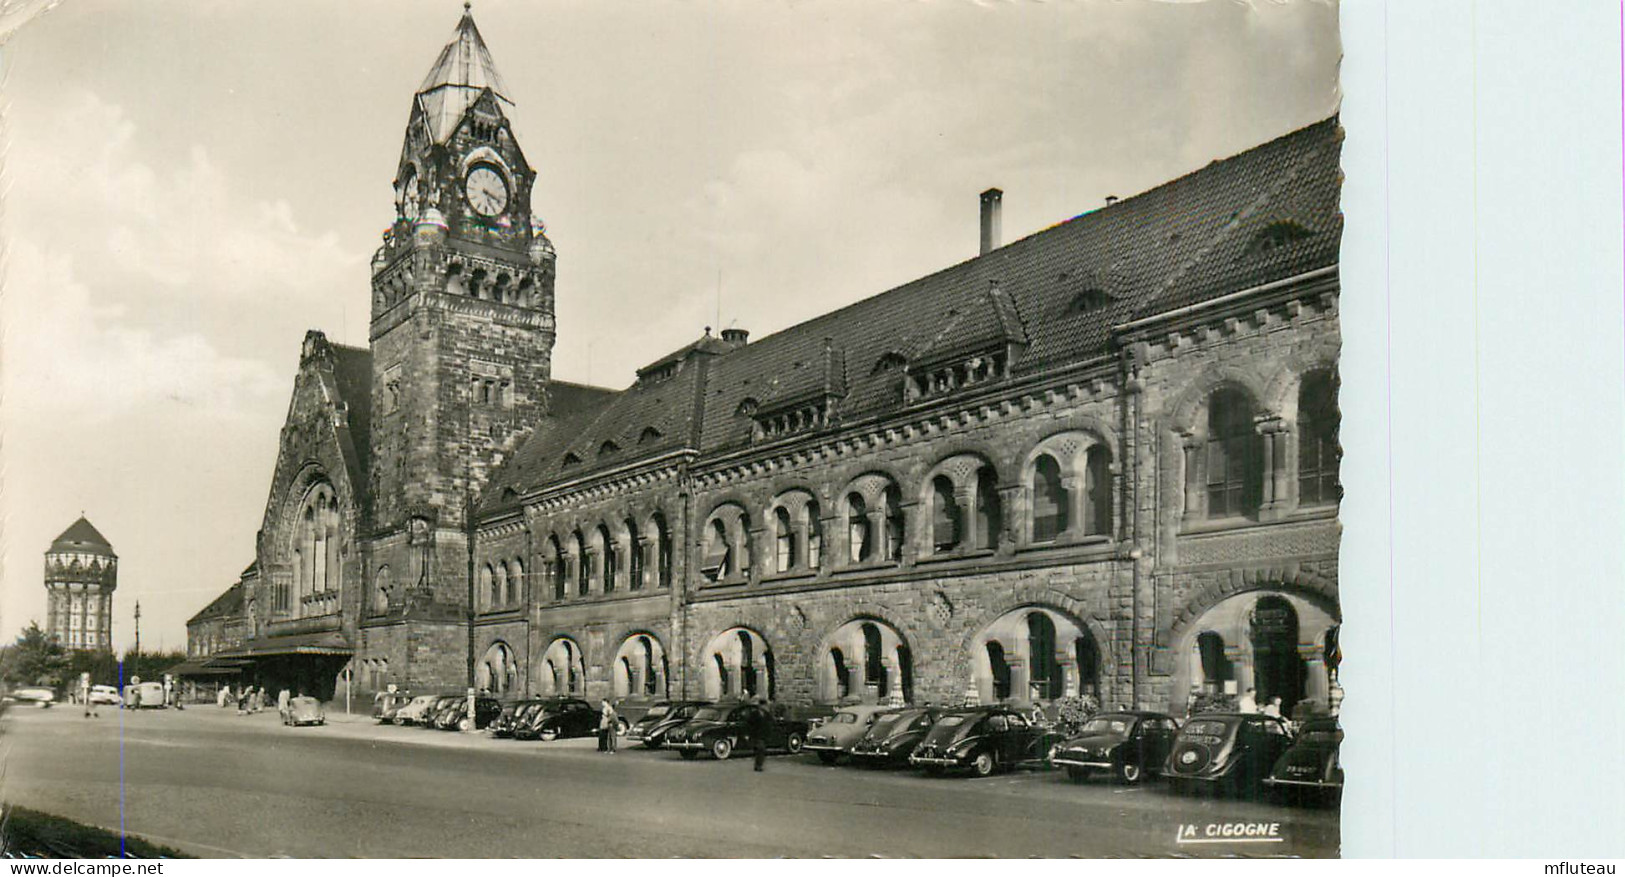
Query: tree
[
  {"x": 35, "y": 659},
  {"x": 149, "y": 666}
]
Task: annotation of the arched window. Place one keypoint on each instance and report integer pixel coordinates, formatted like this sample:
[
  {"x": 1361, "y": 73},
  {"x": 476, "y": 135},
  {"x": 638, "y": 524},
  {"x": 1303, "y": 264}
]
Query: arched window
[
  {"x": 1097, "y": 492},
  {"x": 1050, "y": 500},
  {"x": 383, "y": 583},
  {"x": 814, "y": 553},
  {"x": 662, "y": 551},
  {"x": 1047, "y": 681},
  {"x": 945, "y": 515},
  {"x": 634, "y": 556},
  {"x": 857, "y": 529},
  {"x": 561, "y": 569},
  {"x": 651, "y": 684},
  {"x": 719, "y": 553},
  {"x": 843, "y": 676},
  {"x": 747, "y": 665},
  {"x": 583, "y": 566},
  {"x": 989, "y": 511},
  {"x": 606, "y": 544},
  {"x": 516, "y": 582},
  {"x": 722, "y": 673},
  {"x": 499, "y": 587},
  {"x": 1215, "y": 664},
  {"x": 784, "y": 541},
  {"x": 1318, "y": 453},
  {"x": 892, "y": 499},
  {"x": 1235, "y": 456},
  {"x": 487, "y": 586}
]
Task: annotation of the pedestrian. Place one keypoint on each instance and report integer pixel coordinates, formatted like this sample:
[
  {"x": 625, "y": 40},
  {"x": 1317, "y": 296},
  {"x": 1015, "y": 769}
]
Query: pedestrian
[
  {"x": 282, "y": 704},
  {"x": 223, "y": 696},
  {"x": 759, "y": 724},
  {"x": 1249, "y": 702},
  {"x": 606, "y": 726},
  {"x": 1273, "y": 708},
  {"x": 242, "y": 700}
]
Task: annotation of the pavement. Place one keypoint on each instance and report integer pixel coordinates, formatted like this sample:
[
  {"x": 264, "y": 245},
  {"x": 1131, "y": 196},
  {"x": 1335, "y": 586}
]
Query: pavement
[{"x": 211, "y": 782}]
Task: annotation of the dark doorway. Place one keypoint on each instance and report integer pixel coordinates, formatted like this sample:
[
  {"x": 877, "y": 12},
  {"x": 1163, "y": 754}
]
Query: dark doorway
[{"x": 1278, "y": 669}]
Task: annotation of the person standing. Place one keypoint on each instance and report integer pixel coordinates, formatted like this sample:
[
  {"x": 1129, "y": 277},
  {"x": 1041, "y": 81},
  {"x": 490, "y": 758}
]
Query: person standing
[
  {"x": 759, "y": 725},
  {"x": 1249, "y": 702},
  {"x": 282, "y": 698},
  {"x": 1273, "y": 708},
  {"x": 606, "y": 725},
  {"x": 223, "y": 696}
]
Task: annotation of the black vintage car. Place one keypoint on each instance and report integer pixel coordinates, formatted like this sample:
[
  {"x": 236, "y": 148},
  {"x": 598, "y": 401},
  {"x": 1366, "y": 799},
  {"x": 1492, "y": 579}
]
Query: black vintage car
[
  {"x": 722, "y": 728},
  {"x": 983, "y": 739},
  {"x": 558, "y": 717},
  {"x": 1230, "y": 752},
  {"x": 1129, "y": 745},
  {"x": 431, "y": 716},
  {"x": 455, "y": 716},
  {"x": 893, "y": 736},
  {"x": 1310, "y": 767},
  {"x": 651, "y": 728},
  {"x": 512, "y": 713}
]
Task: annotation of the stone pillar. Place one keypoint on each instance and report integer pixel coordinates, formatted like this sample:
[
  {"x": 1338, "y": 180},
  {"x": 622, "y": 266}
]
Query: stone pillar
[
  {"x": 965, "y": 500},
  {"x": 1076, "y": 507},
  {"x": 1020, "y": 678},
  {"x": 1009, "y": 532},
  {"x": 1069, "y": 673},
  {"x": 799, "y": 531},
  {"x": 878, "y": 547},
  {"x": 894, "y": 697},
  {"x": 1192, "y": 444}
]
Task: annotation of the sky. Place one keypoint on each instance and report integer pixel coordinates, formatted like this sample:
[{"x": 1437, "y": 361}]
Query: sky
[{"x": 189, "y": 186}]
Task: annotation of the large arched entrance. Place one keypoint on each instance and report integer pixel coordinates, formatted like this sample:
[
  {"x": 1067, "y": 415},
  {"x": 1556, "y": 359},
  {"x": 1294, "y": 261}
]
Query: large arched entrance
[
  {"x": 561, "y": 670},
  {"x": 1272, "y": 642},
  {"x": 737, "y": 663},
  {"x": 639, "y": 669},
  {"x": 497, "y": 672},
  {"x": 1035, "y": 654},
  {"x": 867, "y": 661}
]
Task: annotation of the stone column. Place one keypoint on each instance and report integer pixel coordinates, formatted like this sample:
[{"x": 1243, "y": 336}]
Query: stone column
[
  {"x": 799, "y": 530},
  {"x": 965, "y": 499},
  {"x": 1008, "y": 533},
  {"x": 1069, "y": 673},
  {"x": 1077, "y": 506},
  {"x": 894, "y": 697},
  {"x": 1020, "y": 678},
  {"x": 1192, "y": 444}
]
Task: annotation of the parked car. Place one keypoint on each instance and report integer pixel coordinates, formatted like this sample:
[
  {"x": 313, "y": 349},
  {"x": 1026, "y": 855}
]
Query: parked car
[
  {"x": 305, "y": 711},
  {"x": 512, "y": 713},
  {"x": 650, "y": 729},
  {"x": 835, "y": 736},
  {"x": 1127, "y": 744},
  {"x": 1228, "y": 751},
  {"x": 445, "y": 704},
  {"x": 1311, "y": 764},
  {"x": 144, "y": 695},
  {"x": 417, "y": 710},
  {"x": 983, "y": 739},
  {"x": 559, "y": 717},
  {"x": 893, "y": 736},
  {"x": 455, "y": 717},
  {"x": 387, "y": 703},
  {"x": 39, "y": 696},
  {"x": 721, "y": 728},
  {"x": 104, "y": 694}
]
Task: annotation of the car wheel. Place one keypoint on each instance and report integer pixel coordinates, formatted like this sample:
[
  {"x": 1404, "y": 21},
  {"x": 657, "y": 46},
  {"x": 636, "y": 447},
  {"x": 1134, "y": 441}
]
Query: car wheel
[
  {"x": 828, "y": 757},
  {"x": 1129, "y": 772},
  {"x": 621, "y": 727},
  {"x": 465, "y": 725},
  {"x": 1077, "y": 774},
  {"x": 984, "y": 764},
  {"x": 547, "y": 735},
  {"x": 689, "y": 754},
  {"x": 721, "y": 748},
  {"x": 794, "y": 742}
]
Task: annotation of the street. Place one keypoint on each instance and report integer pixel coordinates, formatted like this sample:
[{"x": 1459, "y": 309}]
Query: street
[{"x": 213, "y": 783}]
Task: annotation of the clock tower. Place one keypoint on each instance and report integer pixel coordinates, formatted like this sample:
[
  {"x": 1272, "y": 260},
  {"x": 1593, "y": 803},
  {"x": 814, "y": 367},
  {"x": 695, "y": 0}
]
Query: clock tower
[{"x": 462, "y": 323}]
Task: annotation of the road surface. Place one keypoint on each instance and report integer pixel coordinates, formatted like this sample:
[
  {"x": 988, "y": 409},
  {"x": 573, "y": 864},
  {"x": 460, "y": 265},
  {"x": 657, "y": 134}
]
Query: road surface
[{"x": 213, "y": 783}]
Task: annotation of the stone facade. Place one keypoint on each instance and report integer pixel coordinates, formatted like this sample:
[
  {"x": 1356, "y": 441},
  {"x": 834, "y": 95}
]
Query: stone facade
[
  {"x": 81, "y": 573},
  {"x": 1097, "y": 461}
]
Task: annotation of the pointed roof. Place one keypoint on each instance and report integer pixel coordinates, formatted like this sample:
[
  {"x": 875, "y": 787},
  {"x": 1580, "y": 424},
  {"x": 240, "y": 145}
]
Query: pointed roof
[
  {"x": 459, "y": 76},
  {"x": 82, "y": 537}
]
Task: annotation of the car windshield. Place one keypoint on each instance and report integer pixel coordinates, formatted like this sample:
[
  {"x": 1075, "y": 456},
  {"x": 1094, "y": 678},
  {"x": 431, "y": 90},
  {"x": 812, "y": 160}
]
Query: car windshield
[
  {"x": 844, "y": 719},
  {"x": 885, "y": 723},
  {"x": 1108, "y": 725},
  {"x": 657, "y": 711},
  {"x": 709, "y": 714},
  {"x": 954, "y": 726}
]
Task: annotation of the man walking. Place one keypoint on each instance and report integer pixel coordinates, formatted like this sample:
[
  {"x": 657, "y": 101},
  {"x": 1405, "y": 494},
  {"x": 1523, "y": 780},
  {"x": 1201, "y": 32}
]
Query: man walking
[
  {"x": 758, "y": 726},
  {"x": 606, "y": 726},
  {"x": 282, "y": 698}
]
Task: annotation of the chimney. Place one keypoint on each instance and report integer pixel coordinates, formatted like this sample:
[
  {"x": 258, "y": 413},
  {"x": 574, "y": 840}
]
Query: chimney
[
  {"x": 736, "y": 337},
  {"x": 1110, "y": 200},
  {"x": 991, "y": 200}
]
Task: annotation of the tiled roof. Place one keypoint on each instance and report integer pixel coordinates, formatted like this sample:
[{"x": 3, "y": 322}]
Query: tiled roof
[
  {"x": 566, "y": 399},
  {"x": 228, "y": 604},
  {"x": 352, "y": 371},
  {"x": 82, "y": 537},
  {"x": 1266, "y": 214}
]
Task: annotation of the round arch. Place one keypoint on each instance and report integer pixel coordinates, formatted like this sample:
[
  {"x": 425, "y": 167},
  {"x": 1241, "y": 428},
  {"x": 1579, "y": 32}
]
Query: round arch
[
  {"x": 497, "y": 671},
  {"x": 640, "y": 668},
  {"x": 866, "y": 659},
  {"x": 738, "y": 662},
  {"x": 1268, "y": 639},
  {"x": 562, "y": 668},
  {"x": 1035, "y": 652}
]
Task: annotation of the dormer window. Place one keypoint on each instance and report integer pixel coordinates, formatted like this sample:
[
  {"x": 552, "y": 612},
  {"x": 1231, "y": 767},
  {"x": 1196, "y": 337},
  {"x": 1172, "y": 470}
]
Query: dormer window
[
  {"x": 1090, "y": 301},
  {"x": 650, "y": 434},
  {"x": 1276, "y": 235},
  {"x": 571, "y": 459},
  {"x": 607, "y": 448},
  {"x": 747, "y": 408},
  {"x": 890, "y": 362}
]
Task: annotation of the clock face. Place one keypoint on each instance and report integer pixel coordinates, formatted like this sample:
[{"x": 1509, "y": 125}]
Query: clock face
[{"x": 487, "y": 191}]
